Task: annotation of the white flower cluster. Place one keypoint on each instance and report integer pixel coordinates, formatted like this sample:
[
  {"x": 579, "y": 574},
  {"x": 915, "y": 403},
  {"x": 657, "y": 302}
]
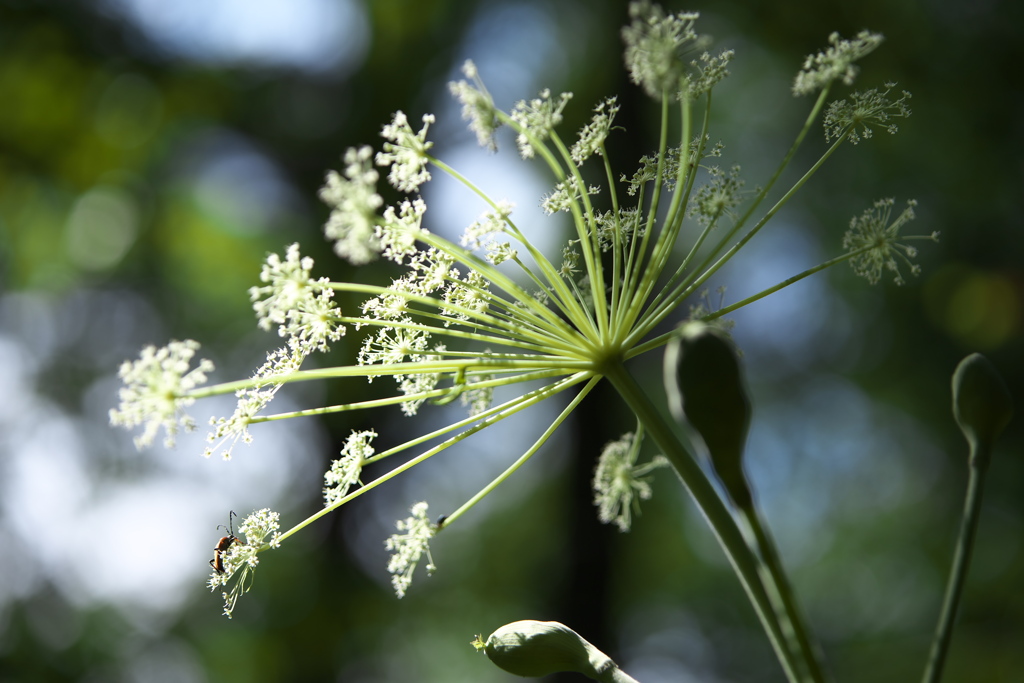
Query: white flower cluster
[
  {"x": 398, "y": 232},
  {"x": 354, "y": 202},
  {"x": 618, "y": 226},
  {"x": 416, "y": 385},
  {"x": 409, "y": 547},
  {"x": 648, "y": 170},
  {"x": 302, "y": 307},
  {"x": 155, "y": 391},
  {"x": 406, "y": 152},
  {"x": 537, "y": 118},
  {"x": 305, "y": 313},
  {"x": 477, "y": 398},
  {"x": 239, "y": 560},
  {"x": 345, "y": 471},
  {"x": 565, "y": 195}
]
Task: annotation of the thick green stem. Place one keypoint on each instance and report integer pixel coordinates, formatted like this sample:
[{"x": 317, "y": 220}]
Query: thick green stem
[
  {"x": 722, "y": 523},
  {"x": 958, "y": 574}
]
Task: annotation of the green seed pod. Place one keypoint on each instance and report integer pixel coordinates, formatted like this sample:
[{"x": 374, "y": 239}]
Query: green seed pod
[
  {"x": 538, "y": 648},
  {"x": 982, "y": 405},
  {"x": 713, "y": 398}
]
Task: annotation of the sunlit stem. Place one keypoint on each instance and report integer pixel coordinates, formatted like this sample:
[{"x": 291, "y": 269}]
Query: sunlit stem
[
  {"x": 397, "y": 400},
  {"x": 544, "y": 343},
  {"x": 961, "y": 563},
  {"x": 527, "y": 455},
  {"x": 569, "y": 305},
  {"x": 575, "y": 307},
  {"x": 698, "y": 155},
  {"x": 535, "y": 362},
  {"x": 617, "y": 251},
  {"x": 483, "y": 416},
  {"x": 548, "y": 322},
  {"x": 519, "y": 405},
  {"x": 720, "y": 519},
  {"x": 674, "y": 219},
  {"x": 684, "y": 289},
  {"x": 635, "y": 267},
  {"x": 786, "y": 283},
  {"x": 585, "y": 227}
]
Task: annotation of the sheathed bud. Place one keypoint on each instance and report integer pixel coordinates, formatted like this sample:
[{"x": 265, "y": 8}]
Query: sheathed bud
[
  {"x": 705, "y": 386},
  {"x": 982, "y": 405},
  {"x": 539, "y": 648}
]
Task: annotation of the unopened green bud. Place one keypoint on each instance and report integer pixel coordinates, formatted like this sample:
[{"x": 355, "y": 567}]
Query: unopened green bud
[
  {"x": 706, "y": 388},
  {"x": 982, "y": 405},
  {"x": 539, "y": 648}
]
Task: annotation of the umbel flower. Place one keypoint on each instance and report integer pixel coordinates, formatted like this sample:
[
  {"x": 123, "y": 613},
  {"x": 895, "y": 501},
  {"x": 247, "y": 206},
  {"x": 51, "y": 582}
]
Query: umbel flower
[{"x": 494, "y": 311}]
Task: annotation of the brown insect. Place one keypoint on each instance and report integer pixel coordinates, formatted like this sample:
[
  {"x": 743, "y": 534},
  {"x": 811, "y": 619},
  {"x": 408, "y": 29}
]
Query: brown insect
[{"x": 222, "y": 545}]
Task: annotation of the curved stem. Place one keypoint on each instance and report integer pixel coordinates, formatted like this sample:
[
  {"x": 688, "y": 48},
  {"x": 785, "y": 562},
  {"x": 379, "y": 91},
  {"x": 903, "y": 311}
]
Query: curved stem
[
  {"x": 722, "y": 523},
  {"x": 958, "y": 574}
]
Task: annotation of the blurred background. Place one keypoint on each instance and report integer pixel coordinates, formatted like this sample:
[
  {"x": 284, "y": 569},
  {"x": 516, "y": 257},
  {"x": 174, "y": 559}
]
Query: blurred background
[{"x": 152, "y": 154}]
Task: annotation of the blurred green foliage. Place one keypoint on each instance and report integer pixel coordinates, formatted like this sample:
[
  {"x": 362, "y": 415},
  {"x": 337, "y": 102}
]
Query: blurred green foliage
[{"x": 106, "y": 146}]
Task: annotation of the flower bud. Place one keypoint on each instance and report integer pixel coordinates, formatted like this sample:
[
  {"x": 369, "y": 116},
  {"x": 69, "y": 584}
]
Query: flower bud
[
  {"x": 707, "y": 387},
  {"x": 538, "y": 648},
  {"x": 982, "y": 405}
]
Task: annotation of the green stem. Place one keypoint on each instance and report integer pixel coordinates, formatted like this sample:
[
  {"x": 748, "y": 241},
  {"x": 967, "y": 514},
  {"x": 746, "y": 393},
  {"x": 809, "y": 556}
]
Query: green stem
[
  {"x": 684, "y": 289},
  {"x": 722, "y": 523},
  {"x": 525, "y": 456},
  {"x": 785, "y": 283},
  {"x": 961, "y": 563},
  {"x": 511, "y": 408},
  {"x": 790, "y": 616}
]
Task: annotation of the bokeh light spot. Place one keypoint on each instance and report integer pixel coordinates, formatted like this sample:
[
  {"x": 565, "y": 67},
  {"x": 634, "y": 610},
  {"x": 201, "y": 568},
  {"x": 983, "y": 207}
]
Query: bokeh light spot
[{"x": 101, "y": 228}]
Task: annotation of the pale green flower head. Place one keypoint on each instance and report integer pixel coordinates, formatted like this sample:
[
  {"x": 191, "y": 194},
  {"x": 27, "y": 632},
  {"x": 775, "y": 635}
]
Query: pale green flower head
[
  {"x": 477, "y": 106},
  {"x": 864, "y": 111},
  {"x": 719, "y": 197},
  {"x": 836, "y": 62},
  {"x": 874, "y": 239},
  {"x": 707, "y": 72},
  {"x": 656, "y": 45},
  {"x": 590, "y": 140},
  {"x": 619, "y": 483}
]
